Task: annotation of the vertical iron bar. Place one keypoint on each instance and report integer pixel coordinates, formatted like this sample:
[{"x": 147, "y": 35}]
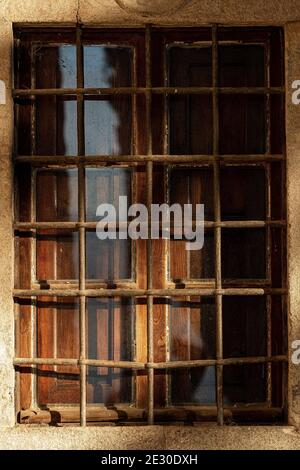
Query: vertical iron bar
[
  {"x": 33, "y": 238},
  {"x": 268, "y": 218},
  {"x": 217, "y": 213},
  {"x": 149, "y": 182},
  {"x": 17, "y": 211},
  {"x": 81, "y": 213}
]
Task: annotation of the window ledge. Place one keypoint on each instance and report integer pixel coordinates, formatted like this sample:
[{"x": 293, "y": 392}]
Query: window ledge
[{"x": 172, "y": 437}]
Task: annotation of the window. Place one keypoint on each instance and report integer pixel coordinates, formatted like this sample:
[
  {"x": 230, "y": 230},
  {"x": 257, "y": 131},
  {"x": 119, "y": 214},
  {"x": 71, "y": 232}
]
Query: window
[{"x": 135, "y": 330}]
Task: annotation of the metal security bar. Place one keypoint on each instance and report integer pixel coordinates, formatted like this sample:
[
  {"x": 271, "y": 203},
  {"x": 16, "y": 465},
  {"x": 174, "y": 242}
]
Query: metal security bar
[{"x": 218, "y": 291}]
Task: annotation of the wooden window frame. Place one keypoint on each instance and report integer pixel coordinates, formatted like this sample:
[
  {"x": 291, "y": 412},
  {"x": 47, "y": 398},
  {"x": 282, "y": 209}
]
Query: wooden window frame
[{"x": 218, "y": 290}]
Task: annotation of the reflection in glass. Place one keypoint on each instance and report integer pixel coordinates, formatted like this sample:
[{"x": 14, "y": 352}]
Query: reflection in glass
[
  {"x": 56, "y": 116},
  {"x": 107, "y": 260},
  {"x": 107, "y": 118},
  {"x": 110, "y": 332},
  {"x": 58, "y": 336},
  {"x": 192, "y": 336}
]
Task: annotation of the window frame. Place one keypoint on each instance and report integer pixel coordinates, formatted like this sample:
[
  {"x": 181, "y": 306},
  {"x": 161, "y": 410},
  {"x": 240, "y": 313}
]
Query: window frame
[{"x": 218, "y": 291}]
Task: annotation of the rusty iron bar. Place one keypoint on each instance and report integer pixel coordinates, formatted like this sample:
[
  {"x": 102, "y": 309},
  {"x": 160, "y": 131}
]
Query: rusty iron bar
[
  {"x": 217, "y": 230},
  {"x": 150, "y": 366},
  {"x": 145, "y": 90},
  {"x": 268, "y": 203},
  {"x": 149, "y": 186},
  {"x": 81, "y": 211},
  {"x": 251, "y": 291},
  {"x": 89, "y": 160},
  {"x": 123, "y": 225},
  {"x": 33, "y": 151}
]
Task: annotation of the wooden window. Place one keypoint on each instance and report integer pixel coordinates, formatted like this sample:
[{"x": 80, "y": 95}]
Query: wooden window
[{"x": 122, "y": 330}]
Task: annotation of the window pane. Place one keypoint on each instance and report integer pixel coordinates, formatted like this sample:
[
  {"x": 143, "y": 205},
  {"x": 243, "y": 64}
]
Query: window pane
[
  {"x": 242, "y": 124},
  {"x": 244, "y": 383},
  {"x": 110, "y": 337},
  {"x": 106, "y": 185},
  {"x": 56, "y": 121},
  {"x": 107, "y": 119},
  {"x": 56, "y": 125},
  {"x": 55, "y": 66},
  {"x": 59, "y": 202},
  {"x": 107, "y": 125},
  {"x": 107, "y": 66},
  {"x": 243, "y": 254},
  {"x": 243, "y": 193},
  {"x": 190, "y": 124},
  {"x": 192, "y": 336},
  {"x": 244, "y": 326},
  {"x": 60, "y": 319},
  {"x": 195, "y": 264},
  {"x": 189, "y": 66},
  {"x": 241, "y": 66},
  {"x": 107, "y": 259},
  {"x": 193, "y": 186},
  {"x": 57, "y": 255}
]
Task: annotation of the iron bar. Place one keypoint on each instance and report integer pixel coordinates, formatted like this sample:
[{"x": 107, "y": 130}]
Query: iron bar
[
  {"x": 123, "y": 225},
  {"x": 81, "y": 211},
  {"x": 24, "y": 293},
  {"x": 89, "y": 160},
  {"x": 149, "y": 185},
  {"x": 150, "y": 366},
  {"x": 145, "y": 90},
  {"x": 268, "y": 218},
  {"x": 217, "y": 218}
]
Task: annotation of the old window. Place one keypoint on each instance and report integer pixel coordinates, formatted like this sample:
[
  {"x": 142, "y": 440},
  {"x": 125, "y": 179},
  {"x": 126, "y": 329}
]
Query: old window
[{"x": 132, "y": 330}]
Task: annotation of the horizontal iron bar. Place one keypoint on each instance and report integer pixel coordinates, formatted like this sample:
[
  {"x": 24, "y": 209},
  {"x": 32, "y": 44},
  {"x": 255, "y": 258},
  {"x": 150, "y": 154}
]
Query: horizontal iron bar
[
  {"x": 79, "y": 362},
  {"x": 124, "y": 225},
  {"x": 23, "y": 293},
  {"x": 171, "y": 159},
  {"x": 144, "y": 90},
  {"x": 154, "y": 365}
]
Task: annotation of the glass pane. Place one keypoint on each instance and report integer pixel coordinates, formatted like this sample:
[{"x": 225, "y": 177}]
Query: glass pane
[
  {"x": 56, "y": 125},
  {"x": 242, "y": 124},
  {"x": 244, "y": 383},
  {"x": 192, "y": 336},
  {"x": 107, "y": 260},
  {"x": 107, "y": 66},
  {"x": 56, "y": 195},
  {"x": 190, "y": 124},
  {"x": 55, "y": 66},
  {"x": 110, "y": 337},
  {"x": 189, "y": 66},
  {"x": 244, "y": 326},
  {"x": 243, "y": 193},
  {"x": 196, "y": 264},
  {"x": 107, "y": 125},
  {"x": 243, "y": 254},
  {"x": 193, "y": 186},
  {"x": 241, "y": 65},
  {"x": 58, "y": 318},
  {"x": 106, "y": 185},
  {"x": 57, "y": 255}
]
